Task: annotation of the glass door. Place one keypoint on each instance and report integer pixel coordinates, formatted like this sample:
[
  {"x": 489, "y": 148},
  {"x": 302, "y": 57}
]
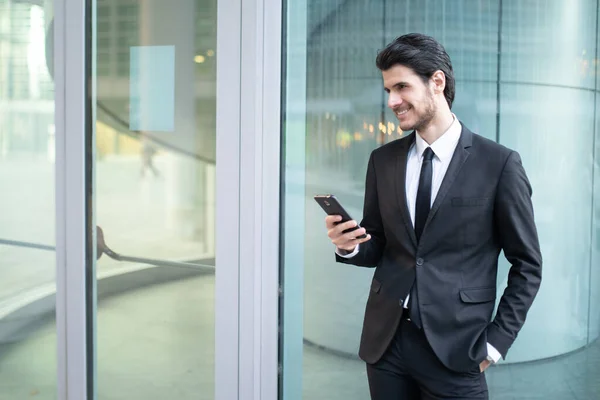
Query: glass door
[
  {"x": 155, "y": 157},
  {"x": 121, "y": 234}
]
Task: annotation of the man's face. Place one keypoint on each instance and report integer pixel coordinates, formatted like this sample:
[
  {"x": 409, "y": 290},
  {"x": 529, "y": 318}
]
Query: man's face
[{"x": 411, "y": 100}]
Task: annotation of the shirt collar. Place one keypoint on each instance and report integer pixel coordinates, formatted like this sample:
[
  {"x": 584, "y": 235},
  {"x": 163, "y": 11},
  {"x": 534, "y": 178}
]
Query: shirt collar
[{"x": 445, "y": 145}]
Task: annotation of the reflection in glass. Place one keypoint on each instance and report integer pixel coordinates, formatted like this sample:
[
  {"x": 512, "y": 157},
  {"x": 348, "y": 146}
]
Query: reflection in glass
[
  {"x": 27, "y": 223},
  {"x": 155, "y": 166}
]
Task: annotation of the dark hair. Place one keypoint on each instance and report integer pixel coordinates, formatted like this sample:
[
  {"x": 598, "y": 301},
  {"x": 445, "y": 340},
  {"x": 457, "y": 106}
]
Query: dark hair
[{"x": 423, "y": 54}]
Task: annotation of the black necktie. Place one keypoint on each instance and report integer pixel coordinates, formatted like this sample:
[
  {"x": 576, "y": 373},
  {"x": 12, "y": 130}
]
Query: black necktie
[
  {"x": 424, "y": 193},
  {"x": 422, "y": 207}
]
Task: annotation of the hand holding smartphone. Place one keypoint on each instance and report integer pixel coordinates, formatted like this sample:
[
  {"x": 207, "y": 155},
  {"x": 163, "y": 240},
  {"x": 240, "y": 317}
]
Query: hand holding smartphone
[{"x": 341, "y": 231}]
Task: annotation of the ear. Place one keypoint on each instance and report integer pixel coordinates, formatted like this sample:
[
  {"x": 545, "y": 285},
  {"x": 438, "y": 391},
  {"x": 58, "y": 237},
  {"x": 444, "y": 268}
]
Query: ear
[{"x": 438, "y": 80}]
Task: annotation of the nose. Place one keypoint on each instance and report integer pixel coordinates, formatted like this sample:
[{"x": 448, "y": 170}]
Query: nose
[{"x": 394, "y": 100}]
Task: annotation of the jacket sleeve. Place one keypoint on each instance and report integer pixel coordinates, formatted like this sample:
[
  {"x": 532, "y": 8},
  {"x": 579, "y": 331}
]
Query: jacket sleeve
[
  {"x": 369, "y": 252},
  {"x": 518, "y": 237}
]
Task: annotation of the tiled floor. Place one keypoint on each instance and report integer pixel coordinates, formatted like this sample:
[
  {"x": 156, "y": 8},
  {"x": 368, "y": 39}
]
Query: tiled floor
[{"x": 156, "y": 343}]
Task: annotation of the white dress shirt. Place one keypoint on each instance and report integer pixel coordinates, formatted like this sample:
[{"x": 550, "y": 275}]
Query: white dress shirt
[{"x": 443, "y": 148}]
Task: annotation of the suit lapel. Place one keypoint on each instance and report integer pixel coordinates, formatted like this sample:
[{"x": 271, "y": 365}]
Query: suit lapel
[
  {"x": 400, "y": 180},
  {"x": 458, "y": 159}
]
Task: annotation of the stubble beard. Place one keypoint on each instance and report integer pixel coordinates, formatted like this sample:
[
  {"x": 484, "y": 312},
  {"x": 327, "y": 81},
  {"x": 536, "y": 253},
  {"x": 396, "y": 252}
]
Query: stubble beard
[{"x": 425, "y": 118}]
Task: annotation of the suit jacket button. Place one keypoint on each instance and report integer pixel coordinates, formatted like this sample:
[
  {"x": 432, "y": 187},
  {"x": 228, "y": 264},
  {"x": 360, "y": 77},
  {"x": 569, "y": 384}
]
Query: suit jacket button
[{"x": 419, "y": 262}]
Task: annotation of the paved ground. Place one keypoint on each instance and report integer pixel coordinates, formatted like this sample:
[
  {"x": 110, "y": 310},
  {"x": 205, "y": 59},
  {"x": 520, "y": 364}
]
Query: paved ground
[{"x": 156, "y": 343}]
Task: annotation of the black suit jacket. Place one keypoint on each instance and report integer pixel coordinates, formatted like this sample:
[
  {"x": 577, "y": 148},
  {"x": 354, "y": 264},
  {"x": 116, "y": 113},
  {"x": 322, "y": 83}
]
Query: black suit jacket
[{"x": 483, "y": 206}]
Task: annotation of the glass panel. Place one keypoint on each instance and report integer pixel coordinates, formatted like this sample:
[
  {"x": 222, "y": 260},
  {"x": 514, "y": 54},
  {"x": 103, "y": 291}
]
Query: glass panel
[
  {"x": 27, "y": 219},
  {"x": 595, "y": 265},
  {"x": 560, "y": 167},
  {"x": 155, "y": 198},
  {"x": 516, "y": 92},
  {"x": 560, "y": 172},
  {"x": 569, "y": 26}
]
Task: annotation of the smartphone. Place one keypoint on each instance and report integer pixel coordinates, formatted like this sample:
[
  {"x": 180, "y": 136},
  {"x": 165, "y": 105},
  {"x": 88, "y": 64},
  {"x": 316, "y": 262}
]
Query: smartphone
[{"x": 332, "y": 206}]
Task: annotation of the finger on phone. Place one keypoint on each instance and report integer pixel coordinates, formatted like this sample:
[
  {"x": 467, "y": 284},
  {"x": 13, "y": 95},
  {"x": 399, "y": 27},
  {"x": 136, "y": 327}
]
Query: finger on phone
[
  {"x": 331, "y": 220},
  {"x": 357, "y": 241},
  {"x": 350, "y": 244},
  {"x": 346, "y": 225},
  {"x": 355, "y": 234},
  {"x": 364, "y": 239}
]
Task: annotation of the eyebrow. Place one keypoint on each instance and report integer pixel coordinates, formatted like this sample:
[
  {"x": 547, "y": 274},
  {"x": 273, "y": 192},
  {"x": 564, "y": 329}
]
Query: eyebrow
[{"x": 397, "y": 85}]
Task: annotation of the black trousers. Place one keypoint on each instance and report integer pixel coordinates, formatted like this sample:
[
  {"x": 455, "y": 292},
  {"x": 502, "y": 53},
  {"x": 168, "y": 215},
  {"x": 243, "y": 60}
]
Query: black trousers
[{"x": 410, "y": 370}]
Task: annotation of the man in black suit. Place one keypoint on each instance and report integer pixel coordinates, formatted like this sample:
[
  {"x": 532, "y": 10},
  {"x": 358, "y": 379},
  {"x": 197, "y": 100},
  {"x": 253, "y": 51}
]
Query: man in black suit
[{"x": 440, "y": 204}]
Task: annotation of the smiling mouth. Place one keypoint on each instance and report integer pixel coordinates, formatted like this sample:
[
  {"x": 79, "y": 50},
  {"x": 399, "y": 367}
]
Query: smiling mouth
[{"x": 402, "y": 112}]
